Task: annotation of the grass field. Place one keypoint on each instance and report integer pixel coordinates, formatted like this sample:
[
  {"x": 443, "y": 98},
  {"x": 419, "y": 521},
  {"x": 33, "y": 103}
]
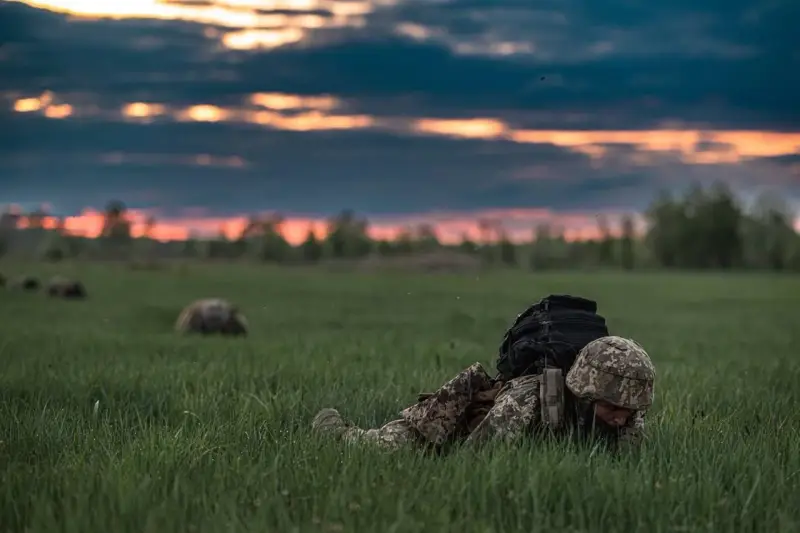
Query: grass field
[{"x": 110, "y": 422}]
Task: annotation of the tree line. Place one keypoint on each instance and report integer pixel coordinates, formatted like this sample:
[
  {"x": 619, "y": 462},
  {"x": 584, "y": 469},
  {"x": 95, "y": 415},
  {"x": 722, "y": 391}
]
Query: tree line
[{"x": 703, "y": 228}]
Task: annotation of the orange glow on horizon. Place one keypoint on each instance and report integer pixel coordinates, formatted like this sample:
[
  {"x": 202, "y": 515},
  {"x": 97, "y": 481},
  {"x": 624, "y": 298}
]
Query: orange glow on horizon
[{"x": 519, "y": 225}]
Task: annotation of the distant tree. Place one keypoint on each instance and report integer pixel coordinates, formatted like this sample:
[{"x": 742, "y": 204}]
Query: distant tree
[
  {"x": 772, "y": 235},
  {"x": 347, "y": 235},
  {"x": 722, "y": 220},
  {"x": 274, "y": 246},
  {"x": 149, "y": 227},
  {"x": 115, "y": 235},
  {"x": 605, "y": 249},
  {"x": 467, "y": 245},
  {"x": 311, "y": 247},
  {"x": 116, "y": 225},
  {"x": 191, "y": 246},
  {"x": 426, "y": 238},
  {"x": 8, "y": 224},
  {"x": 384, "y": 247},
  {"x": 626, "y": 251},
  {"x": 665, "y": 217},
  {"x": 404, "y": 242},
  {"x": 542, "y": 249},
  {"x": 36, "y": 218},
  {"x": 508, "y": 252}
]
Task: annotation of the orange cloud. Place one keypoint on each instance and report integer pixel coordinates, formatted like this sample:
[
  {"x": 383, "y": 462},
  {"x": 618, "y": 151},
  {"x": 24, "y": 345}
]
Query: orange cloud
[
  {"x": 142, "y": 110},
  {"x": 44, "y": 103},
  {"x": 475, "y": 128},
  {"x": 249, "y": 23},
  {"x": 283, "y": 101},
  {"x": 732, "y": 145},
  {"x": 315, "y": 113}
]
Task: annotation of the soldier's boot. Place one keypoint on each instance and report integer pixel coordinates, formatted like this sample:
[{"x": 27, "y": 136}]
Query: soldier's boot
[{"x": 329, "y": 421}]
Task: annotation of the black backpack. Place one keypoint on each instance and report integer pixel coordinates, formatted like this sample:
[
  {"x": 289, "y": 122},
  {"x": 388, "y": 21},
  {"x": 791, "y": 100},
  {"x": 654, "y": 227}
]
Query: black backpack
[{"x": 550, "y": 333}]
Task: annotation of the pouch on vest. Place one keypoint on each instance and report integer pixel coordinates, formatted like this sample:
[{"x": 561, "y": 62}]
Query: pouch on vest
[{"x": 551, "y": 395}]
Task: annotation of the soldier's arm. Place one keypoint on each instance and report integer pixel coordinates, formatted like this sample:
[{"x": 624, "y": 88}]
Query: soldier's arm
[
  {"x": 438, "y": 415},
  {"x": 515, "y": 412}
]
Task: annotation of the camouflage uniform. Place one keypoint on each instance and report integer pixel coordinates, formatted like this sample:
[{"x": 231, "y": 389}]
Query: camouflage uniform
[
  {"x": 211, "y": 316},
  {"x": 473, "y": 408},
  {"x": 60, "y": 287}
]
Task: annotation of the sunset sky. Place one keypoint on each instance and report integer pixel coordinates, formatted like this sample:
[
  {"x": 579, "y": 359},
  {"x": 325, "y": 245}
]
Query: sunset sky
[{"x": 407, "y": 111}]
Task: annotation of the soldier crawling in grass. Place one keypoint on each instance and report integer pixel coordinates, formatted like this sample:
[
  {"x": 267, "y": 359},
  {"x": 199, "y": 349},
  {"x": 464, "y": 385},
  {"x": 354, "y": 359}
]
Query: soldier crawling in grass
[
  {"x": 61, "y": 287},
  {"x": 606, "y": 393},
  {"x": 211, "y": 316}
]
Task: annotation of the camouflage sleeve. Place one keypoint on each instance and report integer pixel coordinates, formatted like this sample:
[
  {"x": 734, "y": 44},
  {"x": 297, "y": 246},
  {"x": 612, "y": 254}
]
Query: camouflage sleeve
[
  {"x": 189, "y": 320},
  {"x": 632, "y": 435},
  {"x": 515, "y": 411},
  {"x": 439, "y": 416},
  {"x": 392, "y": 435}
]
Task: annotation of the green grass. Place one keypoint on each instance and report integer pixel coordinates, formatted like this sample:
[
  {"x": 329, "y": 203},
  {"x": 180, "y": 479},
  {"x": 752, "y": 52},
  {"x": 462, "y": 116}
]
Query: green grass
[{"x": 109, "y": 422}]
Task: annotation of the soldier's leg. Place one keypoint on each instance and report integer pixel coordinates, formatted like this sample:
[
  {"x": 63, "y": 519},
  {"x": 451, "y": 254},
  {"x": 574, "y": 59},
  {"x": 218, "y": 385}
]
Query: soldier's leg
[
  {"x": 514, "y": 413},
  {"x": 392, "y": 435}
]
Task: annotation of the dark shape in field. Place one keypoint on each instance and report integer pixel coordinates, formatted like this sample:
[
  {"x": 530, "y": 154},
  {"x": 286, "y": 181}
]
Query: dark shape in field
[
  {"x": 60, "y": 287},
  {"x": 2, "y": 280},
  {"x": 25, "y": 283},
  {"x": 211, "y": 316}
]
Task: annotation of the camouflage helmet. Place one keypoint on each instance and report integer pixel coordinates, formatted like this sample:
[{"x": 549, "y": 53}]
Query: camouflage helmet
[
  {"x": 615, "y": 370},
  {"x": 211, "y": 315},
  {"x": 216, "y": 312}
]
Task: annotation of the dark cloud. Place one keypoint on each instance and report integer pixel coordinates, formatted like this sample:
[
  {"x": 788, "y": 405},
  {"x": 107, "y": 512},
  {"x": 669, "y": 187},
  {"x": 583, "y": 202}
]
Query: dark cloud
[
  {"x": 575, "y": 65},
  {"x": 619, "y": 64},
  {"x": 298, "y": 171},
  {"x": 74, "y": 162}
]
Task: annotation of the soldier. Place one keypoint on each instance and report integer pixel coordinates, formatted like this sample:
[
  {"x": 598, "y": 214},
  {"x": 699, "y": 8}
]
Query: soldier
[
  {"x": 60, "y": 287},
  {"x": 25, "y": 283},
  {"x": 609, "y": 390},
  {"x": 211, "y": 316}
]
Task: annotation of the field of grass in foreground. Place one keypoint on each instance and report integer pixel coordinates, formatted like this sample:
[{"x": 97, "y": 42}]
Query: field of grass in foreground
[{"x": 109, "y": 422}]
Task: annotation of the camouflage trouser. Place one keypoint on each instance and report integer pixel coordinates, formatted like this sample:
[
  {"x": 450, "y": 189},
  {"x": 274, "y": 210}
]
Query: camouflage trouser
[
  {"x": 470, "y": 407},
  {"x": 395, "y": 434}
]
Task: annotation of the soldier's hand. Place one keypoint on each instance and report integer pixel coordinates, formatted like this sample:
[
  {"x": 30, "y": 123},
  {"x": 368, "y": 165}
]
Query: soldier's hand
[{"x": 488, "y": 395}]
